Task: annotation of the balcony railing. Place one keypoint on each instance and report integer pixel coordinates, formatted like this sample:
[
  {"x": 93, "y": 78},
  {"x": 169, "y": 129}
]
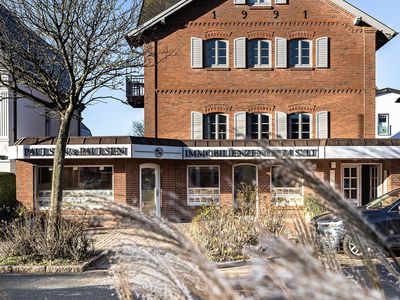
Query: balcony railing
[{"x": 135, "y": 91}]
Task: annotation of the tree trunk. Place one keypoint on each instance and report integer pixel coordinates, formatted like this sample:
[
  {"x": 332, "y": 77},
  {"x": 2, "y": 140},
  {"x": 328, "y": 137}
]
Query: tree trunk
[{"x": 58, "y": 173}]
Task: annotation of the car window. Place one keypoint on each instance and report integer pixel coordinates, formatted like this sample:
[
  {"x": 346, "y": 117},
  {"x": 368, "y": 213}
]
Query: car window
[
  {"x": 396, "y": 208},
  {"x": 384, "y": 201}
]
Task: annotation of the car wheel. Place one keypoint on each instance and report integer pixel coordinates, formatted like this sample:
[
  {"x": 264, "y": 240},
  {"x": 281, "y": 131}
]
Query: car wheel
[{"x": 350, "y": 248}]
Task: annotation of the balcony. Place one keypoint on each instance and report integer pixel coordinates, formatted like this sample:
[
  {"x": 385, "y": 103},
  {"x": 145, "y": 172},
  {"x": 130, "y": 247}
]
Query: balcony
[{"x": 135, "y": 91}]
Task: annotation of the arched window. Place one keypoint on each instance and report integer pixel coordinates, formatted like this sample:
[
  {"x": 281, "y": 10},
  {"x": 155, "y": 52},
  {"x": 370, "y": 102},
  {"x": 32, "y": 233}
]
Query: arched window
[
  {"x": 259, "y": 53},
  {"x": 259, "y": 125},
  {"x": 215, "y": 126},
  {"x": 300, "y": 53},
  {"x": 243, "y": 175},
  {"x": 216, "y": 53},
  {"x": 300, "y": 126}
]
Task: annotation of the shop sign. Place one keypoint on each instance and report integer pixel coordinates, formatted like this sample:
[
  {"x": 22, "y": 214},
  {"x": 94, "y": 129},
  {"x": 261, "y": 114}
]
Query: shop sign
[
  {"x": 78, "y": 151},
  {"x": 251, "y": 153}
]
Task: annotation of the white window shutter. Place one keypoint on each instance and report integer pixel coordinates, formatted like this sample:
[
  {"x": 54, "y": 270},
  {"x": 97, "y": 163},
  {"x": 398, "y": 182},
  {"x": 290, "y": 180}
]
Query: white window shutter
[
  {"x": 323, "y": 52},
  {"x": 280, "y": 52},
  {"x": 240, "y": 53},
  {"x": 239, "y": 1},
  {"x": 281, "y": 125},
  {"x": 197, "y": 53},
  {"x": 311, "y": 126},
  {"x": 240, "y": 125},
  {"x": 197, "y": 125},
  {"x": 280, "y": 1},
  {"x": 322, "y": 125}
]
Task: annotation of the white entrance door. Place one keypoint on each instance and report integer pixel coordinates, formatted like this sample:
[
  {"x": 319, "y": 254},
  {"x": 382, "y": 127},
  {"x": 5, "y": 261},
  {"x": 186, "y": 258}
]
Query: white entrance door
[
  {"x": 351, "y": 183},
  {"x": 150, "y": 189}
]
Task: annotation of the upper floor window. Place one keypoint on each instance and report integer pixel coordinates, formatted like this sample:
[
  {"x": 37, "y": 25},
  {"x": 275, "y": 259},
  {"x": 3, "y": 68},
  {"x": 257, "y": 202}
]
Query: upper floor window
[
  {"x": 259, "y": 53},
  {"x": 259, "y": 126},
  {"x": 215, "y": 127},
  {"x": 216, "y": 53},
  {"x": 260, "y": 2},
  {"x": 300, "y": 126},
  {"x": 300, "y": 53},
  {"x": 383, "y": 125}
]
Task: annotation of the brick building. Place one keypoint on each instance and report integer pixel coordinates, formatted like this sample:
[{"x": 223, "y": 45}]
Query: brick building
[{"x": 225, "y": 82}]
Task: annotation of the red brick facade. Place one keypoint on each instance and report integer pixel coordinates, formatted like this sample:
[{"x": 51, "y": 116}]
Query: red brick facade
[
  {"x": 173, "y": 90},
  {"x": 346, "y": 89},
  {"x": 173, "y": 176}
]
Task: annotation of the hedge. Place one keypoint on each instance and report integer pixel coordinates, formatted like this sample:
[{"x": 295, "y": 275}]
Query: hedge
[{"x": 7, "y": 191}]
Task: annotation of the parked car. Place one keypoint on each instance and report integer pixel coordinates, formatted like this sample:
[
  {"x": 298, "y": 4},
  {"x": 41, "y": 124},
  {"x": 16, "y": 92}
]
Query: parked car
[{"x": 383, "y": 213}]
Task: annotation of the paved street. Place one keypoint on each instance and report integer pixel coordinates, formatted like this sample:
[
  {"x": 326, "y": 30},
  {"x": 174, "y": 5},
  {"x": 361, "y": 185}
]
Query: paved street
[
  {"x": 91, "y": 285},
  {"x": 97, "y": 285}
]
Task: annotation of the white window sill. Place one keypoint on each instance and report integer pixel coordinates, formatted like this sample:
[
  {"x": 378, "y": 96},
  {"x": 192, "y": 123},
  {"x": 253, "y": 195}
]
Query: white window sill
[
  {"x": 261, "y": 68},
  {"x": 302, "y": 68},
  {"x": 218, "y": 68}
]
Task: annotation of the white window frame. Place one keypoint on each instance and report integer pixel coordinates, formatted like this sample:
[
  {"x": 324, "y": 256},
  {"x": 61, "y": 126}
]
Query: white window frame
[
  {"x": 217, "y": 65},
  {"x": 260, "y": 3},
  {"x": 388, "y": 123},
  {"x": 259, "y": 64},
  {"x": 158, "y": 195},
  {"x": 300, "y": 125},
  {"x": 298, "y": 199},
  {"x": 195, "y": 204},
  {"x": 259, "y": 132},
  {"x": 358, "y": 166},
  {"x": 233, "y": 183},
  {"x": 206, "y": 124},
  {"x": 300, "y": 64}
]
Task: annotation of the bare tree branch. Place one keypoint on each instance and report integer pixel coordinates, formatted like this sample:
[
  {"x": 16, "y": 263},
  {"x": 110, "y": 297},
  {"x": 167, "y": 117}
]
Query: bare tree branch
[{"x": 66, "y": 50}]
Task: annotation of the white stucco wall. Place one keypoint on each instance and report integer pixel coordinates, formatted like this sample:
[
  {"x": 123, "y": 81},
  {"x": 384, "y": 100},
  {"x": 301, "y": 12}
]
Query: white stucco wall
[
  {"x": 386, "y": 104},
  {"x": 30, "y": 122}
]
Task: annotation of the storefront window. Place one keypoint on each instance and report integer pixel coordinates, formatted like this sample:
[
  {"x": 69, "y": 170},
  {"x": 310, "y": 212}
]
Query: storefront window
[
  {"x": 203, "y": 185},
  {"x": 78, "y": 183},
  {"x": 283, "y": 191},
  {"x": 88, "y": 178}
]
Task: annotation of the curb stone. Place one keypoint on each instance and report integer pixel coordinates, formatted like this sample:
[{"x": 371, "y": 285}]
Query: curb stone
[
  {"x": 234, "y": 264},
  {"x": 51, "y": 269}
]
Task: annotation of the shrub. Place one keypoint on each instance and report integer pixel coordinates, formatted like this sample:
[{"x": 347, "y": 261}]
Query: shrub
[
  {"x": 313, "y": 206},
  {"x": 27, "y": 237},
  {"x": 223, "y": 231},
  {"x": 7, "y": 196}
]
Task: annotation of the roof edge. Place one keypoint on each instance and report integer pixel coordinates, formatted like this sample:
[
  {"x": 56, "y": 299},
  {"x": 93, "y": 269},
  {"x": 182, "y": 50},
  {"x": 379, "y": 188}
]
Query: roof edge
[
  {"x": 385, "y": 91},
  {"x": 386, "y": 30},
  {"x": 158, "y": 18}
]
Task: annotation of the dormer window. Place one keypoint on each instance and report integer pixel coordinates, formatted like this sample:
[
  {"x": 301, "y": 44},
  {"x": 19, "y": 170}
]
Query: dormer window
[
  {"x": 260, "y": 2},
  {"x": 216, "y": 54},
  {"x": 300, "y": 53}
]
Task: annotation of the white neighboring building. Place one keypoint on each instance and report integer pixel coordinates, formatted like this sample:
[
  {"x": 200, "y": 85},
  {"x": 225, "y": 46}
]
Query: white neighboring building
[
  {"x": 20, "y": 118},
  {"x": 388, "y": 113}
]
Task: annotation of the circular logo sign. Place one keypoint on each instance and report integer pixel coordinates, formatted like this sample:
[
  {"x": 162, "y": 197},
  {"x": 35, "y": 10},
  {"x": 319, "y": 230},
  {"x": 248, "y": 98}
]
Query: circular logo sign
[{"x": 159, "y": 152}]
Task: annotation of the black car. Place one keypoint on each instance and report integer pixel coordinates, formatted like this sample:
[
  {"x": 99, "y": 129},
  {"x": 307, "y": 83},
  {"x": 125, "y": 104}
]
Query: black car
[{"x": 383, "y": 213}]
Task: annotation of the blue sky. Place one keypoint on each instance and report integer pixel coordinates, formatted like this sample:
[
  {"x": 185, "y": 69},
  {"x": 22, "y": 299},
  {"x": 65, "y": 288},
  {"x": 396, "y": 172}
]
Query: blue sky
[{"x": 114, "y": 118}]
